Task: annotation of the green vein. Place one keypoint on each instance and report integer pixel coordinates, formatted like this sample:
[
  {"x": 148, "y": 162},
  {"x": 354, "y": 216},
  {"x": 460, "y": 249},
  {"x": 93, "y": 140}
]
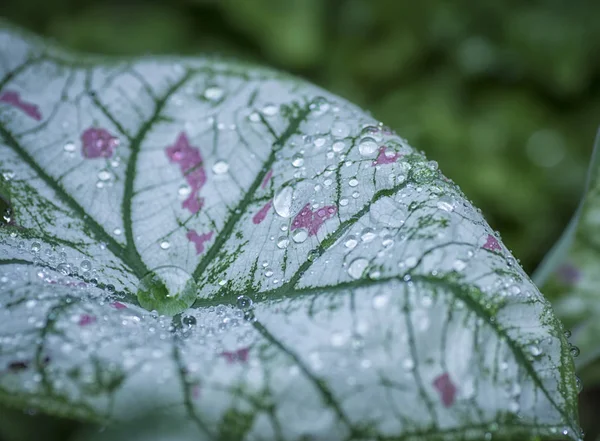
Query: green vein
[
  {"x": 17, "y": 70},
  {"x": 240, "y": 209},
  {"x": 326, "y": 394},
  {"x": 131, "y": 251},
  {"x": 94, "y": 96},
  {"x": 98, "y": 232}
]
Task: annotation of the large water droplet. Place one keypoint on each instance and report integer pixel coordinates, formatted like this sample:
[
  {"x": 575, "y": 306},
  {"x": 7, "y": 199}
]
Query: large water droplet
[
  {"x": 168, "y": 290},
  {"x": 367, "y": 146},
  {"x": 292, "y": 196},
  {"x": 244, "y": 302},
  {"x": 297, "y": 160},
  {"x": 300, "y": 235},
  {"x": 446, "y": 203},
  {"x": 357, "y": 267},
  {"x": 282, "y": 242}
]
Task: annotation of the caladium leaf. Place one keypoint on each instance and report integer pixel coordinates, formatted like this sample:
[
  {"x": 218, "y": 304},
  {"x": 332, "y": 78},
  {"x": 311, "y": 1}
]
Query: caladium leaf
[{"x": 254, "y": 258}]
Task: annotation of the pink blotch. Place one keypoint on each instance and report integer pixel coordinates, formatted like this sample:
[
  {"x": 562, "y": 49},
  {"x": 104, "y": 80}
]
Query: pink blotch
[
  {"x": 382, "y": 158},
  {"x": 118, "y": 305},
  {"x": 312, "y": 221},
  {"x": 86, "y": 319},
  {"x": 98, "y": 143},
  {"x": 192, "y": 167},
  {"x": 239, "y": 356},
  {"x": 199, "y": 239},
  {"x": 492, "y": 244},
  {"x": 267, "y": 179},
  {"x": 11, "y": 97},
  {"x": 260, "y": 216},
  {"x": 445, "y": 388}
]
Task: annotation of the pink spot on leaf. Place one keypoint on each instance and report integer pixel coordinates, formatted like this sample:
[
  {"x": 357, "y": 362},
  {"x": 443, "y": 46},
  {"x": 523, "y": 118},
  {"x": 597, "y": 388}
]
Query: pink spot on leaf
[
  {"x": 267, "y": 179},
  {"x": 199, "y": 239},
  {"x": 239, "y": 356},
  {"x": 260, "y": 216},
  {"x": 192, "y": 167},
  {"x": 98, "y": 143},
  {"x": 492, "y": 244},
  {"x": 445, "y": 388},
  {"x": 86, "y": 319},
  {"x": 312, "y": 221},
  {"x": 11, "y": 97},
  {"x": 385, "y": 158},
  {"x": 118, "y": 305}
]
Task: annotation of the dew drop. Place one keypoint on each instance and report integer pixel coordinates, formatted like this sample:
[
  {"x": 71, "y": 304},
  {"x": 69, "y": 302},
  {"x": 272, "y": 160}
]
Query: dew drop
[
  {"x": 168, "y": 290},
  {"x": 165, "y": 245},
  {"x": 69, "y": 147},
  {"x": 35, "y": 247},
  {"x": 297, "y": 160},
  {"x": 292, "y": 196},
  {"x": 220, "y": 167},
  {"x": 351, "y": 242},
  {"x": 353, "y": 182},
  {"x": 254, "y": 117},
  {"x": 367, "y": 146},
  {"x": 357, "y": 267},
  {"x": 63, "y": 268},
  {"x": 338, "y": 146},
  {"x": 86, "y": 265},
  {"x": 104, "y": 175},
  {"x": 535, "y": 350},
  {"x": 244, "y": 302},
  {"x": 189, "y": 320},
  {"x": 343, "y": 202},
  {"x": 270, "y": 110},
  {"x": 367, "y": 235},
  {"x": 380, "y": 301},
  {"x": 282, "y": 242},
  {"x": 300, "y": 235},
  {"x": 214, "y": 93},
  {"x": 574, "y": 351},
  {"x": 184, "y": 190},
  {"x": 117, "y": 231},
  {"x": 446, "y": 203}
]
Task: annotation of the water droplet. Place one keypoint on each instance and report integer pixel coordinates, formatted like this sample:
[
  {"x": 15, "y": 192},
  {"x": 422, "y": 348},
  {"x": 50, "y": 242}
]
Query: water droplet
[
  {"x": 574, "y": 351},
  {"x": 535, "y": 350},
  {"x": 357, "y": 267},
  {"x": 282, "y": 242},
  {"x": 367, "y": 235},
  {"x": 184, "y": 190},
  {"x": 373, "y": 132},
  {"x": 380, "y": 301},
  {"x": 69, "y": 147},
  {"x": 343, "y": 202},
  {"x": 214, "y": 93},
  {"x": 165, "y": 245},
  {"x": 319, "y": 105},
  {"x": 86, "y": 265},
  {"x": 270, "y": 110},
  {"x": 297, "y": 160},
  {"x": 168, "y": 290},
  {"x": 351, "y": 242},
  {"x": 244, "y": 302},
  {"x": 63, "y": 268},
  {"x": 300, "y": 235},
  {"x": 340, "y": 129},
  {"x": 319, "y": 142},
  {"x": 254, "y": 117},
  {"x": 408, "y": 364},
  {"x": 117, "y": 231},
  {"x": 292, "y": 196},
  {"x": 35, "y": 247},
  {"x": 338, "y": 146},
  {"x": 446, "y": 203},
  {"x": 104, "y": 175},
  {"x": 189, "y": 320},
  {"x": 367, "y": 146},
  {"x": 353, "y": 182},
  {"x": 567, "y": 334},
  {"x": 220, "y": 167},
  {"x": 578, "y": 384}
]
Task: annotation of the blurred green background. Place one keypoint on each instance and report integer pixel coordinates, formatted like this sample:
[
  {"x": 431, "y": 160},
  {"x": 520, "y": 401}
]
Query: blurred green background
[{"x": 504, "y": 94}]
